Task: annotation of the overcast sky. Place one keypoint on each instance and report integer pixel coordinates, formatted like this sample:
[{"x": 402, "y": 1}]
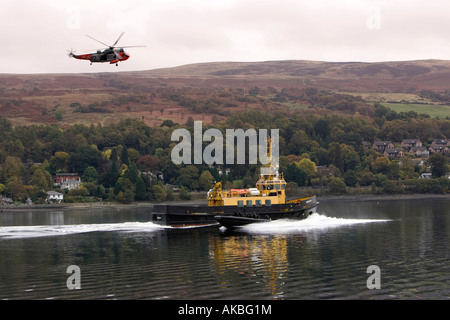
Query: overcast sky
[{"x": 36, "y": 34}]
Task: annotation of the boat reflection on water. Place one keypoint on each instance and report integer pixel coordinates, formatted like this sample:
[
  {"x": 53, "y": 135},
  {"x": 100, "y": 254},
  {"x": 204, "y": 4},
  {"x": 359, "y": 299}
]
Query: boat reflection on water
[{"x": 239, "y": 259}]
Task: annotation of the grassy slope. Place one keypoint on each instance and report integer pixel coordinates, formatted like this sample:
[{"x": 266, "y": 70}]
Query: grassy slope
[
  {"x": 23, "y": 98},
  {"x": 441, "y": 111}
]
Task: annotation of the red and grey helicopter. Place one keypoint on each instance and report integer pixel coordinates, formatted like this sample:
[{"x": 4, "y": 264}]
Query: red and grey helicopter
[{"x": 111, "y": 54}]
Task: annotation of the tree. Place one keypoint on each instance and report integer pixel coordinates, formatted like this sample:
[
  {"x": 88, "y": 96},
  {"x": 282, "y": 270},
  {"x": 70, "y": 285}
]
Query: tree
[
  {"x": 16, "y": 189},
  {"x": 90, "y": 187},
  {"x": 90, "y": 175},
  {"x": 124, "y": 156},
  {"x": 350, "y": 178},
  {"x": 133, "y": 155},
  {"x": 322, "y": 129},
  {"x": 438, "y": 163},
  {"x": 295, "y": 174},
  {"x": 308, "y": 167},
  {"x": 337, "y": 185},
  {"x": 41, "y": 178},
  {"x": 335, "y": 156},
  {"x": 298, "y": 143},
  {"x": 141, "y": 189},
  {"x": 16, "y": 148},
  {"x": 58, "y": 115},
  {"x": 148, "y": 163},
  {"x": 184, "y": 194},
  {"x": 129, "y": 196},
  {"x": 13, "y": 167},
  {"x": 189, "y": 177},
  {"x": 390, "y": 187},
  {"x": 132, "y": 173},
  {"x": 36, "y": 151},
  {"x": 381, "y": 165},
  {"x": 59, "y": 161},
  {"x": 158, "y": 193},
  {"x": 365, "y": 177},
  {"x": 171, "y": 172},
  {"x": 110, "y": 179},
  {"x": 124, "y": 184},
  {"x": 120, "y": 197},
  {"x": 407, "y": 169},
  {"x": 84, "y": 157},
  {"x": 206, "y": 180}
]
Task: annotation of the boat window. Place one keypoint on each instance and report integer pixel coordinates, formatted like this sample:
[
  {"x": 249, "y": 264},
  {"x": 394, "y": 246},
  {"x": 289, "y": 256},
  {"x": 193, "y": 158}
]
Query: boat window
[
  {"x": 283, "y": 186},
  {"x": 268, "y": 202},
  {"x": 249, "y": 203},
  {"x": 270, "y": 187},
  {"x": 277, "y": 187},
  {"x": 258, "y": 203},
  {"x": 240, "y": 203}
]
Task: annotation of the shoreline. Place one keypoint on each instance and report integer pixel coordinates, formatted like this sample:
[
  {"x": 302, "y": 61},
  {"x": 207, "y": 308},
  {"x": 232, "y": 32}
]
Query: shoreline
[
  {"x": 384, "y": 197},
  {"x": 149, "y": 205}
]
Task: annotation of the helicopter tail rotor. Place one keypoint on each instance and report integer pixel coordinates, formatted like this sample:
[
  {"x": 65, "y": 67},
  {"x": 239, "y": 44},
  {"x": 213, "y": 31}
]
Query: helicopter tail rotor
[{"x": 71, "y": 53}]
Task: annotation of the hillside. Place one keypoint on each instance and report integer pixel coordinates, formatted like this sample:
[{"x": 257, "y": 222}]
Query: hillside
[{"x": 211, "y": 91}]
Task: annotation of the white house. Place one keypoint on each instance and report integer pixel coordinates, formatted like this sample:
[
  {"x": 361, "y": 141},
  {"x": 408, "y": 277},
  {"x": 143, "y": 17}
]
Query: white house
[
  {"x": 70, "y": 184},
  {"x": 54, "y": 196}
]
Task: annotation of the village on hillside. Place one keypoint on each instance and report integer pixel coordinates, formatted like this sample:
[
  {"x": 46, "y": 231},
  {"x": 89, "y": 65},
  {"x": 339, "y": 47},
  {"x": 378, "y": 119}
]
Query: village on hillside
[{"x": 410, "y": 147}]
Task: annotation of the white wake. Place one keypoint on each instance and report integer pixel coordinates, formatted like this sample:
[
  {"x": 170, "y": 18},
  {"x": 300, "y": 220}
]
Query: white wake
[
  {"x": 314, "y": 222},
  {"x": 55, "y": 230}
]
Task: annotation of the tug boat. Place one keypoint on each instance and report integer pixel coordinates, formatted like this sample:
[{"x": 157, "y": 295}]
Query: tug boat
[{"x": 238, "y": 207}]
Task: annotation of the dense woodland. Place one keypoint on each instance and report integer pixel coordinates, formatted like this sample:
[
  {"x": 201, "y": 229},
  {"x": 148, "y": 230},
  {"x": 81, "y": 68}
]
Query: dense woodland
[{"x": 320, "y": 148}]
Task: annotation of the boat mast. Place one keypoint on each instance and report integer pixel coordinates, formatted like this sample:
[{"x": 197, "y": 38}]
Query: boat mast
[{"x": 272, "y": 170}]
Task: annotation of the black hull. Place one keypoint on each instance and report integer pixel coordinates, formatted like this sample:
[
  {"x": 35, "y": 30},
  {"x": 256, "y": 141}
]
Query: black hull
[
  {"x": 238, "y": 220},
  {"x": 183, "y": 216}
]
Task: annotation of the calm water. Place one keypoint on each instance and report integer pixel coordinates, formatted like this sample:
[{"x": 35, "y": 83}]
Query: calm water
[{"x": 122, "y": 256}]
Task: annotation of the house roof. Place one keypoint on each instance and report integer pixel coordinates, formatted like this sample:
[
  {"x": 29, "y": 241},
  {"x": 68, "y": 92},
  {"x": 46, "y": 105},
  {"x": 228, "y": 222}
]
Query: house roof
[
  {"x": 382, "y": 143},
  {"x": 414, "y": 149},
  {"x": 393, "y": 151},
  {"x": 54, "y": 193},
  {"x": 438, "y": 147},
  {"x": 440, "y": 141},
  {"x": 71, "y": 181},
  {"x": 410, "y": 140}
]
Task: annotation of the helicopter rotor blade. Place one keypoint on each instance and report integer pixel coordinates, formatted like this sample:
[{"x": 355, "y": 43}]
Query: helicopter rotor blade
[
  {"x": 117, "y": 40},
  {"x": 98, "y": 41},
  {"x": 133, "y": 47}
]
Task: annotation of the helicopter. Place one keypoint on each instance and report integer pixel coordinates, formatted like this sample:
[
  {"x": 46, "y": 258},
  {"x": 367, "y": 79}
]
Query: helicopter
[{"x": 111, "y": 54}]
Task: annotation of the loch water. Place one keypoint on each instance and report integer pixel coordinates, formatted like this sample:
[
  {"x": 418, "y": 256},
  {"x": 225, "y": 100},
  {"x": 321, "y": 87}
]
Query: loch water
[{"x": 121, "y": 255}]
